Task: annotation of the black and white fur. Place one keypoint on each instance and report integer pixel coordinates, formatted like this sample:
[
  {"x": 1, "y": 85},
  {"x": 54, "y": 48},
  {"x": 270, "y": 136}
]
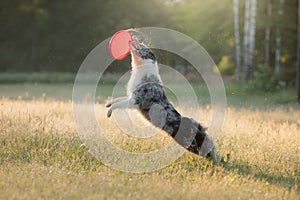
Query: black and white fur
[{"x": 145, "y": 93}]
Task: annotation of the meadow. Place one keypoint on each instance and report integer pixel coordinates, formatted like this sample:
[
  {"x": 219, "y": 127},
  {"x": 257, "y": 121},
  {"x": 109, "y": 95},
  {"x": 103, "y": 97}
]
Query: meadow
[{"x": 42, "y": 157}]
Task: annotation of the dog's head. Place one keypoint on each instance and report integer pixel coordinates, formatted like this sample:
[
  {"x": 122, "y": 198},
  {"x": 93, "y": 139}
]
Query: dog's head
[{"x": 141, "y": 54}]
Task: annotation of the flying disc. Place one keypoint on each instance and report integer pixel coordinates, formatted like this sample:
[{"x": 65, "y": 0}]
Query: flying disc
[{"x": 119, "y": 45}]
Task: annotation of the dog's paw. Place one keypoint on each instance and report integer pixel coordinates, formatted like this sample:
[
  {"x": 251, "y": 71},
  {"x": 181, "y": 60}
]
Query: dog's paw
[
  {"x": 214, "y": 155},
  {"x": 108, "y": 104},
  {"x": 108, "y": 113}
]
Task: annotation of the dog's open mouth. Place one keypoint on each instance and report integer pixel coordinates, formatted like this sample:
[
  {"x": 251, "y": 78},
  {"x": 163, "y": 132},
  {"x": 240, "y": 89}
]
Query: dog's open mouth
[
  {"x": 134, "y": 44},
  {"x": 135, "y": 48}
]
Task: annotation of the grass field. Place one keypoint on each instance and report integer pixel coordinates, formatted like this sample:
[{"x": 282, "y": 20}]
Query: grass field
[{"x": 42, "y": 157}]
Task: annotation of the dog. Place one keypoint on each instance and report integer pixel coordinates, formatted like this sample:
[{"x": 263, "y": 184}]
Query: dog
[{"x": 145, "y": 93}]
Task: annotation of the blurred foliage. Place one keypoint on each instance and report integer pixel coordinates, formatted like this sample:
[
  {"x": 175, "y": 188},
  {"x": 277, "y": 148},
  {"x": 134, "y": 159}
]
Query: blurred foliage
[
  {"x": 53, "y": 35},
  {"x": 208, "y": 22},
  {"x": 225, "y": 66},
  {"x": 265, "y": 80}
]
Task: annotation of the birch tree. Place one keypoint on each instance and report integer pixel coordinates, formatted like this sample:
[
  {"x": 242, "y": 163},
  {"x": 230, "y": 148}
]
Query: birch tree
[
  {"x": 249, "y": 37},
  {"x": 268, "y": 34},
  {"x": 278, "y": 39},
  {"x": 237, "y": 39},
  {"x": 252, "y": 36},
  {"x": 246, "y": 38}
]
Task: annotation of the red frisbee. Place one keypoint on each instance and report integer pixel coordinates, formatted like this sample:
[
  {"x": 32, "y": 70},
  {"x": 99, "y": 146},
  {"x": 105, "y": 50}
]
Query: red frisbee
[{"x": 119, "y": 45}]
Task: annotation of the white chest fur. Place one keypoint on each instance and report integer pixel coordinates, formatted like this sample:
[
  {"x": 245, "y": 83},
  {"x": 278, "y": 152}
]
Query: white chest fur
[{"x": 138, "y": 73}]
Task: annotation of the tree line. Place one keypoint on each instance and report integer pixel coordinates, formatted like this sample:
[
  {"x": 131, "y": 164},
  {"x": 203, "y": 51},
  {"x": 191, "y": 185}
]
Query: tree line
[
  {"x": 246, "y": 38},
  {"x": 55, "y": 35}
]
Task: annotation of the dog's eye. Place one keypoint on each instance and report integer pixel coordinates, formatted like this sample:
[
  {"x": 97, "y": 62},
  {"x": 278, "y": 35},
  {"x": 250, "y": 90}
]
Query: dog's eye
[{"x": 148, "y": 55}]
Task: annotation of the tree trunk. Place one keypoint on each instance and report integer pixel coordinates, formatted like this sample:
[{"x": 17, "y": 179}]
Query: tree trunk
[
  {"x": 34, "y": 42},
  {"x": 252, "y": 33},
  {"x": 268, "y": 35},
  {"x": 237, "y": 39},
  {"x": 246, "y": 38},
  {"x": 249, "y": 37},
  {"x": 278, "y": 39},
  {"x": 298, "y": 56}
]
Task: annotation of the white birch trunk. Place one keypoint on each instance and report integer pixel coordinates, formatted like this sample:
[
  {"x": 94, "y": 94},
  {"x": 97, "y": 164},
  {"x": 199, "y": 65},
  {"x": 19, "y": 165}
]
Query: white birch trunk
[
  {"x": 268, "y": 35},
  {"x": 246, "y": 39},
  {"x": 278, "y": 40},
  {"x": 249, "y": 36},
  {"x": 237, "y": 39},
  {"x": 252, "y": 33}
]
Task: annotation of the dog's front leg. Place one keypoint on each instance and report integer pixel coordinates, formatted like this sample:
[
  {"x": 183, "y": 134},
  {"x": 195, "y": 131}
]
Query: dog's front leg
[
  {"x": 116, "y": 100},
  {"x": 127, "y": 103}
]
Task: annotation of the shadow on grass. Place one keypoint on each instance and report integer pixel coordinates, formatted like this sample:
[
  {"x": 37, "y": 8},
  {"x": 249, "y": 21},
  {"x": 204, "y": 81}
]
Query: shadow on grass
[{"x": 285, "y": 180}]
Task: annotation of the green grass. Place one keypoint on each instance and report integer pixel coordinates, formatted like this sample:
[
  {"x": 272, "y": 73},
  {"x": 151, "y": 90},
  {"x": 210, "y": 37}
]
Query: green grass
[
  {"x": 33, "y": 77},
  {"x": 59, "y": 86},
  {"x": 42, "y": 157},
  {"x": 236, "y": 95}
]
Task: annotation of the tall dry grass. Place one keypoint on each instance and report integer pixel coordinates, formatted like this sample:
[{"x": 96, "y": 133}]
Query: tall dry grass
[{"x": 41, "y": 156}]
